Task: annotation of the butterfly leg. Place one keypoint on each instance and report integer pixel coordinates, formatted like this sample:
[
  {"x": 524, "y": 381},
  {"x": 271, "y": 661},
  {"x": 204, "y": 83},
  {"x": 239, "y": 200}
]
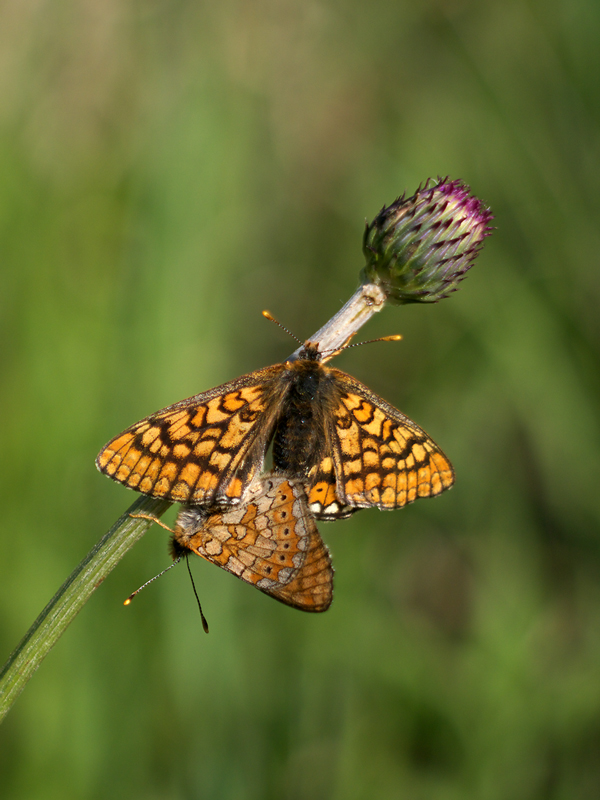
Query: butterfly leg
[{"x": 152, "y": 518}]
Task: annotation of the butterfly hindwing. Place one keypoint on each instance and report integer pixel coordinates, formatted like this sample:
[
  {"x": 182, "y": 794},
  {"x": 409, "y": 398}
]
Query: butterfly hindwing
[
  {"x": 376, "y": 456},
  {"x": 323, "y": 497},
  {"x": 271, "y": 542},
  {"x": 203, "y": 450}
]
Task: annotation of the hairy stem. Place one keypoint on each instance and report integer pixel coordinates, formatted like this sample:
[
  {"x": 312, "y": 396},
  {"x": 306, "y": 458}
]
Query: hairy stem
[{"x": 85, "y": 579}]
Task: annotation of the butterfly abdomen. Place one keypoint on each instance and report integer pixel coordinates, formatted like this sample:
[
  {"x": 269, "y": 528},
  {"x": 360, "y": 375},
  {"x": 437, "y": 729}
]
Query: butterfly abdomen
[{"x": 300, "y": 432}]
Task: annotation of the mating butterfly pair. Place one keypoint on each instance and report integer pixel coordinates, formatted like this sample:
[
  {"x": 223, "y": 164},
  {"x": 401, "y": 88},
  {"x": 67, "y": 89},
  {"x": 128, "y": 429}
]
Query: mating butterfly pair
[{"x": 334, "y": 441}]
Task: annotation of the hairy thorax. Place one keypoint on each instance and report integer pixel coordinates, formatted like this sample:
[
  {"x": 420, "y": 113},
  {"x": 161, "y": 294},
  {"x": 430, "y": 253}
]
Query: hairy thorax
[{"x": 300, "y": 435}]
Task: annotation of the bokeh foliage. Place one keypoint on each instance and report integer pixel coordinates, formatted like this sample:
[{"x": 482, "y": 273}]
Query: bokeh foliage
[{"x": 167, "y": 170}]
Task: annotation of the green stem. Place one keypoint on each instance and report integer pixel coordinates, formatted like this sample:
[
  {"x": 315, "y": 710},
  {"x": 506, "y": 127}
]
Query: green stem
[
  {"x": 79, "y": 586},
  {"x": 71, "y": 597}
]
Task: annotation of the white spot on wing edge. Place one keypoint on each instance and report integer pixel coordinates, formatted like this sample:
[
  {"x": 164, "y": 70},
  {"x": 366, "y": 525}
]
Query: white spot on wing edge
[
  {"x": 284, "y": 575},
  {"x": 266, "y": 583}
]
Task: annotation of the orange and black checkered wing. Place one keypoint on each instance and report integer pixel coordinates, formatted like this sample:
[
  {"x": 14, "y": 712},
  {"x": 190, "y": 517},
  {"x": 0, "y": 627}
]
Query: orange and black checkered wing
[
  {"x": 203, "y": 450},
  {"x": 376, "y": 456}
]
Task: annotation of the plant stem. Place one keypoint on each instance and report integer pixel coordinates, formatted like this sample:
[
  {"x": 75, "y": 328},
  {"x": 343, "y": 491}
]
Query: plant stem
[
  {"x": 367, "y": 300},
  {"x": 79, "y": 586},
  {"x": 71, "y": 597}
]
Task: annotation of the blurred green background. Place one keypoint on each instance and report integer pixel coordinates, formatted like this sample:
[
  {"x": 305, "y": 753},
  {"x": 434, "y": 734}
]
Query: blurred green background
[{"x": 168, "y": 170}]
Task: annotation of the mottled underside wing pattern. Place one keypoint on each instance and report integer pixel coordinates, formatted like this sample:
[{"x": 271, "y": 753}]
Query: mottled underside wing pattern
[{"x": 271, "y": 542}]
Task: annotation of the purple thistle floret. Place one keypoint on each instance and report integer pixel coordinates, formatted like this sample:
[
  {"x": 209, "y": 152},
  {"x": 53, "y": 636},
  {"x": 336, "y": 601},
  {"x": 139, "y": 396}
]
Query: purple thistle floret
[{"x": 419, "y": 249}]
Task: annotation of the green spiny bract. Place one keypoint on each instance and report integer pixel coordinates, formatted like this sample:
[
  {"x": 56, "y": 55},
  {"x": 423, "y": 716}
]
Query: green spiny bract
[{"x": 419, "y": 249}]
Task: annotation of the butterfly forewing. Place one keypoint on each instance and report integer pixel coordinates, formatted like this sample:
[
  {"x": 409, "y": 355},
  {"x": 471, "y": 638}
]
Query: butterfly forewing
[
  {"x": 376, "y": 456},
  {"x": 271, "y": 542},
  {"x": 203, "y": 450}
]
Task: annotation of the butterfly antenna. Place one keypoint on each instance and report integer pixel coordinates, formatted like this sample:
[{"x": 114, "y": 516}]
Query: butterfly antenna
[
  {"x": 395, "y": 337},
  {"x": 269, "y": 316},
  {"x": 204, "y": 622},
  {"x": 143, "y": 586}
]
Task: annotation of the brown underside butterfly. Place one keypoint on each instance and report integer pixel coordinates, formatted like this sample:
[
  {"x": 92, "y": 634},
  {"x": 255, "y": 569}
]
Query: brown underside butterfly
[{"x": 271, "y": 542}]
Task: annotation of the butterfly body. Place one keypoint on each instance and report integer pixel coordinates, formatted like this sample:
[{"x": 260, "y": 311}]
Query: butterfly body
[
  {"x": 352, "y": 448},
  {"x": 309, "y": 395}
]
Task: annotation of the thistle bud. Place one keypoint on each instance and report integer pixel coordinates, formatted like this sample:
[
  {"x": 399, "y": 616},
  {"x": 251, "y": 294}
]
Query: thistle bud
[{"x": 419, "y": 249}]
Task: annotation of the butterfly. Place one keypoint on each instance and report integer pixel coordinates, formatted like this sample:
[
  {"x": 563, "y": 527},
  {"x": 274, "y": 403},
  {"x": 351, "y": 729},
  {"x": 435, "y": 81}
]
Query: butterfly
[
  {"x": 352, "y": 449},
  {"x": 271, "y": 541}
]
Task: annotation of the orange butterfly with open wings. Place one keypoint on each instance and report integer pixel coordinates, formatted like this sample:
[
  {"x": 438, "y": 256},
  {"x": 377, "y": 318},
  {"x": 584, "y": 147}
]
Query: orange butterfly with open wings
[{"x": 351, "y": 448}]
